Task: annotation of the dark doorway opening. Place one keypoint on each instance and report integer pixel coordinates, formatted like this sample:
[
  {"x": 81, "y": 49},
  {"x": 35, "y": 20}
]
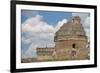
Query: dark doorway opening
[{"x": 74, "y": 45}]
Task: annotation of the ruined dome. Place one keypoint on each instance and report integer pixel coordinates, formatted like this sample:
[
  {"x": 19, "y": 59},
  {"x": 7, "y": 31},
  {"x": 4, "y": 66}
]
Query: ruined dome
[
  {"x": 76, "y": 18},
  {"x": 73, "y": 27}
]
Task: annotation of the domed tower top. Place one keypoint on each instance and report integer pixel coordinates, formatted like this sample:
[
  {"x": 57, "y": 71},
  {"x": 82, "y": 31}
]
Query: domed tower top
[
  {"x": 76, "y": 19},
  {"x": 72, "y": 28}
]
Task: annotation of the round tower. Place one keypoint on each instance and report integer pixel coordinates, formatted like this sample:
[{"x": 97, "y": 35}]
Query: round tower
[{"x": 71, "y": 40}]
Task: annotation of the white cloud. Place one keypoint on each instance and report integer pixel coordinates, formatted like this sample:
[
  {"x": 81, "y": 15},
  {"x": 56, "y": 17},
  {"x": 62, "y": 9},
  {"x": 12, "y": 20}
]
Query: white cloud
[
  {"x": 35, "y": 24},
  {"x": 87, "y": 26}
]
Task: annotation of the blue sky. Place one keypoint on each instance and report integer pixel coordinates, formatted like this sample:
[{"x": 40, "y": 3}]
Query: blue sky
[{"x": 51, "y": 17}]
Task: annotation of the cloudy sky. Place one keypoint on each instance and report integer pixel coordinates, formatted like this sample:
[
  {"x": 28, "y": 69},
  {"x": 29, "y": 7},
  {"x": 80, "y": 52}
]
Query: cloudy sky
[{"x": 38, "y": 28}]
